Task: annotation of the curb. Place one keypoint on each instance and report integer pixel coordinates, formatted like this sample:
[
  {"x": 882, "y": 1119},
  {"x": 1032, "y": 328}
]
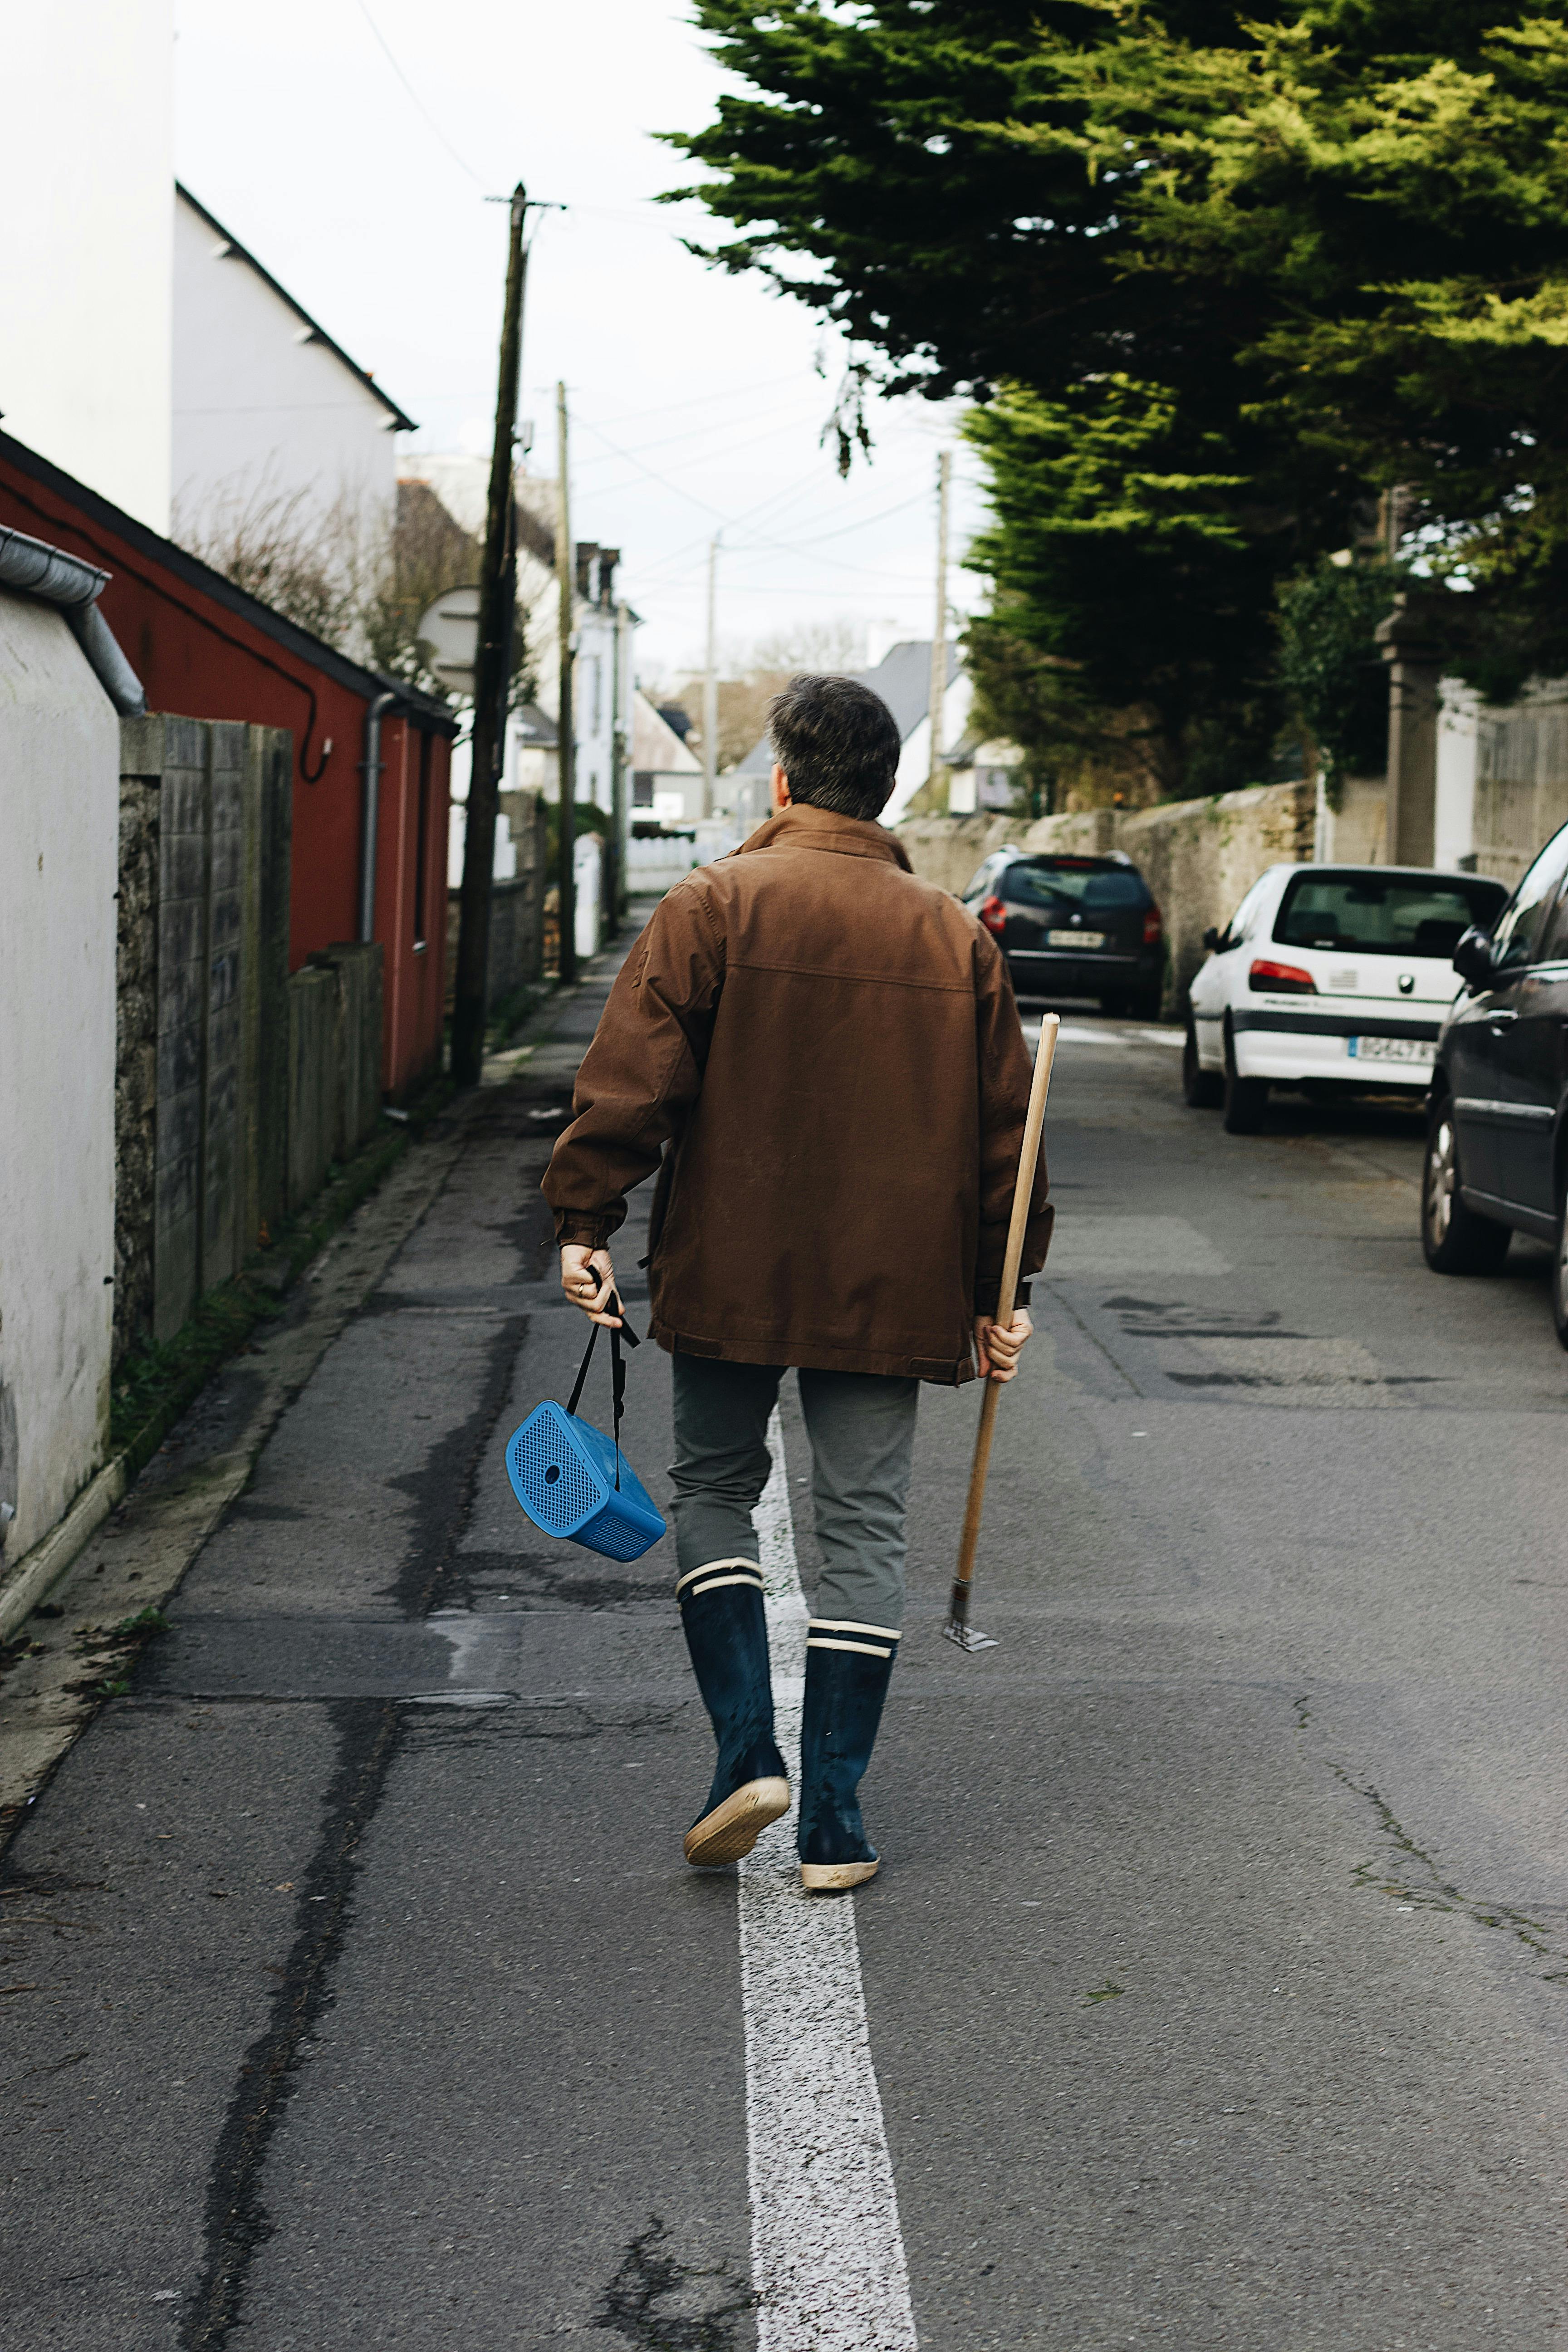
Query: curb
[{"x": 38, "y": 1571}]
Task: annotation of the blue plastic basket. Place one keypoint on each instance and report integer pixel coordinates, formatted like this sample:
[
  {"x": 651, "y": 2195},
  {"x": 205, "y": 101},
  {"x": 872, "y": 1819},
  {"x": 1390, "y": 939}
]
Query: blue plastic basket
[{"x": 562, "y": 1472}]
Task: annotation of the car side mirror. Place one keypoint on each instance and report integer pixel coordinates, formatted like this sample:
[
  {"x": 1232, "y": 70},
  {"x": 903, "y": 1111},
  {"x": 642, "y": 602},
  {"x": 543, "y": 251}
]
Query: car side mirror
[
  {"x": 1211, "y": 938},
  {"x": 1473, "y": 957}
]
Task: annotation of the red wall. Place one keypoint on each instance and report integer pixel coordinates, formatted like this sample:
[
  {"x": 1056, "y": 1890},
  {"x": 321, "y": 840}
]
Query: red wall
[{"x": 199, "y": 658}]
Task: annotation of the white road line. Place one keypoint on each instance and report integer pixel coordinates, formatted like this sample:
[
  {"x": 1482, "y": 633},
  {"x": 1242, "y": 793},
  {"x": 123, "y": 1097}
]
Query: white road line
[{"x": 827, "y": 2256}]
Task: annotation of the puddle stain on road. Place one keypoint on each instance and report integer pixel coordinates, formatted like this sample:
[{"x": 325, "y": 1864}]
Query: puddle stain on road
[{"x": 649, "y": 2301}]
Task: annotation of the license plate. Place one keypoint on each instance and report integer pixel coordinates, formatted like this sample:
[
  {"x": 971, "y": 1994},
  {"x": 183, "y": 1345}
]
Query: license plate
[
  {"x": 1075, "y": 939},
  {"x": 1390, "y": 1049}
]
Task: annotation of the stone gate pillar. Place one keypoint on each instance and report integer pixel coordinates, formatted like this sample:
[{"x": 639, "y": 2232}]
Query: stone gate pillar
[{"x": 1415, "y": 668}]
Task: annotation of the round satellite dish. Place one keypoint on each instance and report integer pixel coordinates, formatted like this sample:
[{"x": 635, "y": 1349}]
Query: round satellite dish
[{"x": 449, "y": 638}]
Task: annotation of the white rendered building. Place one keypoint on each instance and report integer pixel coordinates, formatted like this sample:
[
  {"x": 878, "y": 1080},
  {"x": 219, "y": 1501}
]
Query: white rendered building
[
  {"x": 271, "y": 417},
  {"x": 87, "y": 165}
]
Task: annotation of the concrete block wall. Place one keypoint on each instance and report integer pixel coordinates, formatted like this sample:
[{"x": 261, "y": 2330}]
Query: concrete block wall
[
  {"x": 59, "y": 824},
  {"x": 1199, "y": 857}
]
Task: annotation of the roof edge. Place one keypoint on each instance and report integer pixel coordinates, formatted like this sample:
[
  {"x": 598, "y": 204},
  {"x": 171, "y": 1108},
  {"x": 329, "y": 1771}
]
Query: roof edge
[
  {"x": 435, "y": 716},
  {"x": 403, "y": 424}
]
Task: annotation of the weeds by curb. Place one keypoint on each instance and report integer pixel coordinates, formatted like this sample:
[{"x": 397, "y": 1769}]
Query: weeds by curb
[{"x": 160, "y": 1379}]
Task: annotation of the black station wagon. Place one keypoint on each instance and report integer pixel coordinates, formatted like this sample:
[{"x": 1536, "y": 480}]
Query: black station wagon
[{"x": 1497, "y": 1149}]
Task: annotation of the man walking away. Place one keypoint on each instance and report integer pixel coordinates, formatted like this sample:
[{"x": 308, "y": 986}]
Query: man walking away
[{"x": 821, "y": 1057}]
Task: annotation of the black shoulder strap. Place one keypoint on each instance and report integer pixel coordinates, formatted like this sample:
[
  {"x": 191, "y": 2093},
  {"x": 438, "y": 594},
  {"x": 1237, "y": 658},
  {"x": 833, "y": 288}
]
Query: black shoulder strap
[{"x": 618, "y": 1372}]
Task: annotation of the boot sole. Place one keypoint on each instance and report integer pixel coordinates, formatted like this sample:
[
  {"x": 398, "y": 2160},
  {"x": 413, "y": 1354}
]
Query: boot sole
[
  {"x": 835, "y": 1877},
  {"x": 733, "y": 1828}
]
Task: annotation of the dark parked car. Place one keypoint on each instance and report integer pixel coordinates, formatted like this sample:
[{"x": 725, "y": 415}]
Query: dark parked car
[
  {"x": 1075, "y": 926},
  {"x": 1497, "y": 1149}
]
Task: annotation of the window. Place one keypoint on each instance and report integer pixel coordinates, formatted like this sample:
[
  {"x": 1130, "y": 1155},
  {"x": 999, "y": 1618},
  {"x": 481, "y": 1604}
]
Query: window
[
  {"x": 1554, "y": 938},
  {"x": 1236, "y": 929},
  {"x": 980, "y": 887},
  {"x": 1378, "y": 914},
  {"x": 1514, "y": 940},
  {"x": 422, "y": 844},
  {"x": 1072, "y": 883}
]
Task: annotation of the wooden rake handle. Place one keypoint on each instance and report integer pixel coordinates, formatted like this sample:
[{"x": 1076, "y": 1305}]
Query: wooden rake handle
[{"x": 1039, "y": 1089}]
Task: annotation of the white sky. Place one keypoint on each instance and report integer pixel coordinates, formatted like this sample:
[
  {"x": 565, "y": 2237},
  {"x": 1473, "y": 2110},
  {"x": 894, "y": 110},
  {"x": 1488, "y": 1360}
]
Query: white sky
[{"x": 696, "y": 406}]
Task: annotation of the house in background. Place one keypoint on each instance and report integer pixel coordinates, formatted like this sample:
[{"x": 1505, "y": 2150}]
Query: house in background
[
  {"x": 982, "y": 776},
  {"x": 602, "y": 668},
  {"x": 666, "y": 778},
  {"x": 903, "y": 678},
  {"x": 274, "y": 426}
]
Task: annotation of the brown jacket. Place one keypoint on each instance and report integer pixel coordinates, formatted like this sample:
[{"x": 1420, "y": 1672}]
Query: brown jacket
[{"x": 828, "y": 1055}]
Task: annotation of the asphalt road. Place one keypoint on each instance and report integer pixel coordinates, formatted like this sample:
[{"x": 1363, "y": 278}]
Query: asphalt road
[{"x": 1217, "y": 1975}]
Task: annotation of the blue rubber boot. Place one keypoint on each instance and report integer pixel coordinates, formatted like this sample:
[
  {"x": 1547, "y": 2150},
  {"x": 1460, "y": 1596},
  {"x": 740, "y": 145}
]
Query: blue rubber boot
[
  {"x": 726, "y": 1632},
  {"x": 848, "y": 1670}
]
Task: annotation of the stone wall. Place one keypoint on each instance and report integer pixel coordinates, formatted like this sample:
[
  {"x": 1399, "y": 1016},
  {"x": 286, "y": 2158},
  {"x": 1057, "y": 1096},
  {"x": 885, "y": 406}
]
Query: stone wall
[
  {"x": 136, "y": 1057},
  {"x": 1522, "y": 782},
  {"x": 1199, "y": 857}
]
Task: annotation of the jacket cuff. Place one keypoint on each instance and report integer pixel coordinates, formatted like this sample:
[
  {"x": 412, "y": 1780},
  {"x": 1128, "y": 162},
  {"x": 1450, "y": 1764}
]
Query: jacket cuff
[
  {"x": 988, "y": 1295},
  {"x": 585, "y": 1233}
]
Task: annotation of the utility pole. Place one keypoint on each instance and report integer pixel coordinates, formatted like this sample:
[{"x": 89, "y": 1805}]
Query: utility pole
[
  {"x": 497, "y": 593},
  {"x": 939, "y": 634},
  {"x": 618, "y": 827},
  {"x": 566, "y": 583},
  {"x": 710, "y": 685}
]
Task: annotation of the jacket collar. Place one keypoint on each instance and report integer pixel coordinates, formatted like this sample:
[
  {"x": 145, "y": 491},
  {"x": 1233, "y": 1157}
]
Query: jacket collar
[{"x": 802, "y": 826}]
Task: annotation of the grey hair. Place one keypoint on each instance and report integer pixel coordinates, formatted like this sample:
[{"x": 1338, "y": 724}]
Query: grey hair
[{"x": 837, "y": 742}]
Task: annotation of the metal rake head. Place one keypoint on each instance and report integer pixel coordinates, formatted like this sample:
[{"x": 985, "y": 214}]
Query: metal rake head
[
  {"x": 967, "y": 1637},
  {"x": 958, "y": 1628}
]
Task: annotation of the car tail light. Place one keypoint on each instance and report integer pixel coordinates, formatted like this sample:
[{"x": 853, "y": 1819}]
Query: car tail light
[
  {"x": 1153, "y": 928},
  {"x": 993, "y": 915},
  {"x": 1281, "y": 979}
]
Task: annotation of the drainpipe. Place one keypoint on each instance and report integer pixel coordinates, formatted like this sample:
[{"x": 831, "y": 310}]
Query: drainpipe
[
  {"x": 74, "y": 588},
  {"x": 370, "y": 768}
]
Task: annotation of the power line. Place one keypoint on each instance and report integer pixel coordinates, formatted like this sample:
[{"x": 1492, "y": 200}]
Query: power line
[
  {"x": 790, "y": 418},
  {"x": 461, "y": 161}
]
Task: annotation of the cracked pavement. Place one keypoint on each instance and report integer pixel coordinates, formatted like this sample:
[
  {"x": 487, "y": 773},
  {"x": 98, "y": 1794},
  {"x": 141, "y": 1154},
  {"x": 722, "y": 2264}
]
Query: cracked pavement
[{"x": 353, "y": 1990}]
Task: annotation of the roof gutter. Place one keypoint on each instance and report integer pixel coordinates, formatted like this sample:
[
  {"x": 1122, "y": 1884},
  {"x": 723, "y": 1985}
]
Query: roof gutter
[{"x": 74, "y": 588}]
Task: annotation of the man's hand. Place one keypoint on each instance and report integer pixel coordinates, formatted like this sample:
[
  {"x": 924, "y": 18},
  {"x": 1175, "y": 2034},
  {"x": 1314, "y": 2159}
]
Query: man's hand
[
  {"x": 588, "y": 1279},
  {"x": 998, "y": 1346}
]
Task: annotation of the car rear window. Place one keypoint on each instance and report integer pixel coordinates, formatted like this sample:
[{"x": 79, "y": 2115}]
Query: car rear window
[
  {"x": 1073, "y": 882},
  {"x": 1374, "y": 914}
]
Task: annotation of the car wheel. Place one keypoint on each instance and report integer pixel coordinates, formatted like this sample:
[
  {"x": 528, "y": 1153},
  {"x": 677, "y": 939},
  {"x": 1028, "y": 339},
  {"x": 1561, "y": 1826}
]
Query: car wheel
[
  {"x": 1560, "y": 1266},
  {"x": 1455, "y": 1239},
  {"x": 1246, "y": 1100},
  {"x": 1201, "y": 1089}
]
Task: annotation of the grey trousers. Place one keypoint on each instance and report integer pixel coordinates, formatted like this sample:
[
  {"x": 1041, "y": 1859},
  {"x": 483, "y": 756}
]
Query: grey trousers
[{"x": 861, "y": 1427}]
